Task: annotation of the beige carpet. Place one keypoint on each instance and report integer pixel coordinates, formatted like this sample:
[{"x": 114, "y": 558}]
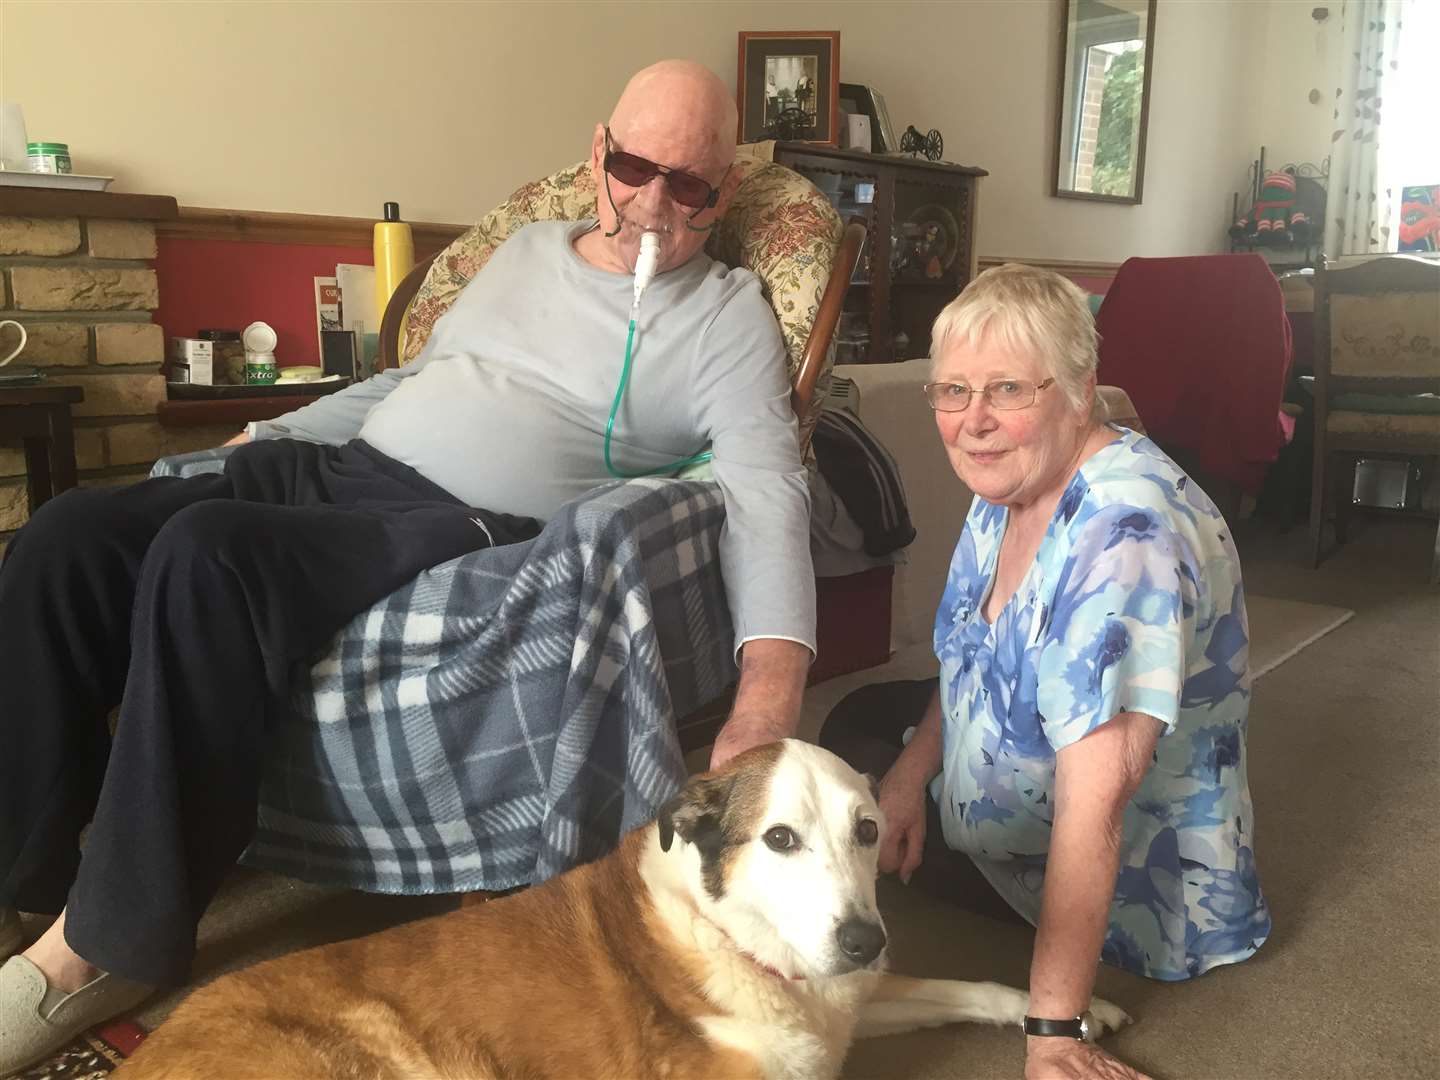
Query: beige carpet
[
  {"x": 1281, "y": 628},
  {"x": 1343, "y": 754}
]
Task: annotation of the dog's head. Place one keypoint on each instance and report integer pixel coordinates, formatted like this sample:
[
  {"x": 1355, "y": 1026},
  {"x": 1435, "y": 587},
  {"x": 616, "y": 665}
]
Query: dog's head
[{"x": 786, "y": 838}]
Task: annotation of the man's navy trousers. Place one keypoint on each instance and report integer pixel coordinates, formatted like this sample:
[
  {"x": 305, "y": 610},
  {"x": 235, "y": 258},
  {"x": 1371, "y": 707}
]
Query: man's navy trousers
[{"x": 187, "y": 603}]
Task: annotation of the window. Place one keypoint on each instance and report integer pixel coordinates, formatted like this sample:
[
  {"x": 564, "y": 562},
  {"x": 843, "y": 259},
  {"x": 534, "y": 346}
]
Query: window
[
  {"x": 1409, "y": 146},
  {"x": 1103, "y": 100}
]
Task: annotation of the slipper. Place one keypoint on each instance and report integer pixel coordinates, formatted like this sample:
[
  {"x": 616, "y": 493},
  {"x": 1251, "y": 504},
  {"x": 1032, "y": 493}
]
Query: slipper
[
  {"x": 12, "y": 934},
  {"x": 36, "y": 1020}
]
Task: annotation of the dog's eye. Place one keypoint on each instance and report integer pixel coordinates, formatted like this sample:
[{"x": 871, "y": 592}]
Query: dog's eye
[
  {"x": 866, "y": 832},
  {"x": 781, "y": 838}
]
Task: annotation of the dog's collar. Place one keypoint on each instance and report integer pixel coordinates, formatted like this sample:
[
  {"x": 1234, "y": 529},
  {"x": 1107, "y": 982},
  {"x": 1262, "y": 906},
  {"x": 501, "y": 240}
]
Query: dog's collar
[{"x": 756, "y": 962}]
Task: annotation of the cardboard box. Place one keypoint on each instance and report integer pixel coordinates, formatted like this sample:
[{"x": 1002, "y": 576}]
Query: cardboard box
[{"x": 193, "y": 360}]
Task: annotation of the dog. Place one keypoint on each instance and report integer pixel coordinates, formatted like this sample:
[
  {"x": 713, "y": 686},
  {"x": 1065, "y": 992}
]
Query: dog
[{"x": 735, "y": 936}]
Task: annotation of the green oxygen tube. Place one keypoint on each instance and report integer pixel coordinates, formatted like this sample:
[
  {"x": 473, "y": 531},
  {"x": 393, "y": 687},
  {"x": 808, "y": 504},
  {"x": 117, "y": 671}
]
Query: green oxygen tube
[{"x": 644, "y": 271}]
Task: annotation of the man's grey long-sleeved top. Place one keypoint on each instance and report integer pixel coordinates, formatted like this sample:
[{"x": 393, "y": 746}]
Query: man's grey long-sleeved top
[{"x": 507, "y": 404}]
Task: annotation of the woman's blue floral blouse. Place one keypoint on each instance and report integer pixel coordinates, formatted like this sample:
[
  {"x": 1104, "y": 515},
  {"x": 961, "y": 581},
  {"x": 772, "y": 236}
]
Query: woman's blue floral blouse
[{"x": 1133, "y": 604}]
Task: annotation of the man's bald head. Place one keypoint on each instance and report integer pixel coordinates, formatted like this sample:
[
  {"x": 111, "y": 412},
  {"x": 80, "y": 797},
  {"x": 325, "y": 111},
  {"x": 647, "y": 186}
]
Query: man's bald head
[
  {"x": 678, "y": 115},
  {"x": 685, "y": 102}
]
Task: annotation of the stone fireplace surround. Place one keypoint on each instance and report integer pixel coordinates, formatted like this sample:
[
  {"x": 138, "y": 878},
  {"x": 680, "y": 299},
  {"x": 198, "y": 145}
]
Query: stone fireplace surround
[{"x": 77, "y": 269}]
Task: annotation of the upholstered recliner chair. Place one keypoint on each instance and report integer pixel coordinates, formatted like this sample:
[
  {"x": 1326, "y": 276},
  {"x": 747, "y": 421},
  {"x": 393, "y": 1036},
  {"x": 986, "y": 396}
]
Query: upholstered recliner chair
[{"x": 513, "y": 712}]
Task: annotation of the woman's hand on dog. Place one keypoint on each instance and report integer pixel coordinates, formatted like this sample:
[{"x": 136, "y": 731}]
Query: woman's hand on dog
[
  {"x": 1070, "y": 1059},
  {"x": 902, "y": 800}
]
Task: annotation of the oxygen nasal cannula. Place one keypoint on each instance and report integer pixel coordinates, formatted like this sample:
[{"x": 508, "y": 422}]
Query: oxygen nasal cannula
[{"x": 644, "y": 272}]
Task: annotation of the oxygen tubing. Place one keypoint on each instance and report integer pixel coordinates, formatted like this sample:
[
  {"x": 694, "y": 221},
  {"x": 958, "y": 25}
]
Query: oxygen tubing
[{"x": 693, "y": 459}]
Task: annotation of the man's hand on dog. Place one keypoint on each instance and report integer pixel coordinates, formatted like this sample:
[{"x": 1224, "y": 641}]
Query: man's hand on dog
[
  {"x": 741, "y": 733},
  {"x": 1070, "y": 1059},
  {"x": 767, "y": 700},
  {"x": 902, "y": 799}
]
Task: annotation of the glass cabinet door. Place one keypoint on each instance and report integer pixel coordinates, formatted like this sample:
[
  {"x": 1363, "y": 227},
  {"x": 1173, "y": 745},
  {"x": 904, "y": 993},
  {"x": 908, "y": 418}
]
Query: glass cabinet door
[
  {"x": 929, "y": 257},
  {"x": 919, "y": 247},
  {"x": 854, "y": 195}
]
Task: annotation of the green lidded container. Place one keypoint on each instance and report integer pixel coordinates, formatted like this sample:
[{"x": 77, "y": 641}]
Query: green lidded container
[{"x": 48, "y": 157}]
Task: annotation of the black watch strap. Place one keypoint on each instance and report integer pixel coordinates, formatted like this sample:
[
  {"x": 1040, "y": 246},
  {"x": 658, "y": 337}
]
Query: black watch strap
[{"x": 1073, "y": 1028}]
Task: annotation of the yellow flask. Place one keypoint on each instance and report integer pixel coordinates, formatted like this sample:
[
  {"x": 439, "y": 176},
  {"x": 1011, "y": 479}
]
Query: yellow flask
[{"x": 394, "y": 258}]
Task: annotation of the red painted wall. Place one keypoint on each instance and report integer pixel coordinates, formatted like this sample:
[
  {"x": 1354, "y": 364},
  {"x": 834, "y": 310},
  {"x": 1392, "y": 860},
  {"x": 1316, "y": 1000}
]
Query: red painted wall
[{"x": 225, "y": 285}]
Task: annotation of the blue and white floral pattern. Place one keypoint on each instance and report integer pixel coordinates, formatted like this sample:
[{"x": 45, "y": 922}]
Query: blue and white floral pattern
[{"x": 1133, "y": 604}]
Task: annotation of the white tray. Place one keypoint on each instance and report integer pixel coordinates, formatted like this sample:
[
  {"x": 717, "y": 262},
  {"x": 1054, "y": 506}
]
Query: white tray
[{"x": 69, "y": 181}]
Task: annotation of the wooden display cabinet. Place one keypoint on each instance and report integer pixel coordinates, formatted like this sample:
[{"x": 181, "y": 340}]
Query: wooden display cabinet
[{"x": 920, "y": 250}]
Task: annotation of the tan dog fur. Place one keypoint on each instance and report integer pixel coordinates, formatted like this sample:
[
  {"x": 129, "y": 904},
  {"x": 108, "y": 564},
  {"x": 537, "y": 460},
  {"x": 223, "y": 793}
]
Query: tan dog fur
[{"x": 622, "y": 968}]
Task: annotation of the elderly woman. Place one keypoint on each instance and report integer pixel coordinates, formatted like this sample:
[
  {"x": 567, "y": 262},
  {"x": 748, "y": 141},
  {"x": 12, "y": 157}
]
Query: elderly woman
[{"x": 1085, "y": 748}]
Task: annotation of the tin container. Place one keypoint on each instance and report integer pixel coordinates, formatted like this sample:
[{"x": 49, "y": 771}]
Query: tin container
[
  {"x": 47, "y": 157},
  {"x": 192, "y": 361}
]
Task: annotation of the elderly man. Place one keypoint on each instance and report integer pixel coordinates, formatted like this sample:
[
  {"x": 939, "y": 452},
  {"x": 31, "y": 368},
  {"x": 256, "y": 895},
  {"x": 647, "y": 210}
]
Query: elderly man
[{"x": 187, "y": 602}]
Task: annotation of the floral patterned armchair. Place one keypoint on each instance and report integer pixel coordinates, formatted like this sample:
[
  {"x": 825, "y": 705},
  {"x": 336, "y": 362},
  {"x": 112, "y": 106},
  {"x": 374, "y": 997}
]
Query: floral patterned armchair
[{"x": 778, "y": 225}]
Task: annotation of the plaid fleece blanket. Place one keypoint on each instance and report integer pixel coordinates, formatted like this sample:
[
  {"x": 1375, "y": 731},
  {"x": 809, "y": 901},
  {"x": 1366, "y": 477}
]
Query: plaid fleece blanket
[{"x": 510, "y": 713}]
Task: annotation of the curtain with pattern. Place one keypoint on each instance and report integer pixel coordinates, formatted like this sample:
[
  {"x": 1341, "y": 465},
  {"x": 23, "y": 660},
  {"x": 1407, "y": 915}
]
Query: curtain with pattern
[{"x": 1362, "y": 203}]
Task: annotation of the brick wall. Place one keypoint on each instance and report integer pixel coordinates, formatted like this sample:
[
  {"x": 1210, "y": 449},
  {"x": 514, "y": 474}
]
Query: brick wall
[
  {"x": 85, "y": 290},
  {"x": 1090, "y": 120}
]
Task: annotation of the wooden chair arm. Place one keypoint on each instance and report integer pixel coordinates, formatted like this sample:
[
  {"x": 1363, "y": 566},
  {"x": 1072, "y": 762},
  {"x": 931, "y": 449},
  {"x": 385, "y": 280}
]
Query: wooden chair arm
[
  {"x": 826, "y": 319},
  {"x": 389, "y": 354}
]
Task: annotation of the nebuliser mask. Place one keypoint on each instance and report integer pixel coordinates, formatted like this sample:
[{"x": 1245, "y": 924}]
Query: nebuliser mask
[{"x": 646, "y": 263}]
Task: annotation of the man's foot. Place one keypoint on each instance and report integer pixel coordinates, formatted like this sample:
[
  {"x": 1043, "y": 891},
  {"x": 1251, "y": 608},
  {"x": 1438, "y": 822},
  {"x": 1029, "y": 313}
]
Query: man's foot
[
  {"x": 63, "y": 968},
  {"x": 37, "y": 1019}
]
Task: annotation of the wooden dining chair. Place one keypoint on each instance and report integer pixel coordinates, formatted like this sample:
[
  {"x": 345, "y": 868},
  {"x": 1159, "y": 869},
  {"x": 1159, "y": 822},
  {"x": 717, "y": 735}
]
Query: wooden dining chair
[{"x": 1377, "y": 378}]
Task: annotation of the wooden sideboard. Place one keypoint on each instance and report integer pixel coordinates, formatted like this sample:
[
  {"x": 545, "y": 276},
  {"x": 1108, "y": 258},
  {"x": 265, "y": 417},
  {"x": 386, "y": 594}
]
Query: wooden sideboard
[{"x": 920, "y": 250}]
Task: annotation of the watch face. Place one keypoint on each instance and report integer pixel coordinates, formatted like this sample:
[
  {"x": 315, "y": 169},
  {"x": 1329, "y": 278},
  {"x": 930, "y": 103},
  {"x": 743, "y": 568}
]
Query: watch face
[{"x": 1087, "y": 1027}]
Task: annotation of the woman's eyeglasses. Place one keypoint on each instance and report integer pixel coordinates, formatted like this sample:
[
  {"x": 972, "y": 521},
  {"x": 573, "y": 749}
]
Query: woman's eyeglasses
[
  {"x": 1004, "y": 394},
  {"x": 634, "y": 171}
]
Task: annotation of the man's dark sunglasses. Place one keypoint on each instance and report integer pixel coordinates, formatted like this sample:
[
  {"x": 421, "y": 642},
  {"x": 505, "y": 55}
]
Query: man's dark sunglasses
[{"x": 634, "y": 171}]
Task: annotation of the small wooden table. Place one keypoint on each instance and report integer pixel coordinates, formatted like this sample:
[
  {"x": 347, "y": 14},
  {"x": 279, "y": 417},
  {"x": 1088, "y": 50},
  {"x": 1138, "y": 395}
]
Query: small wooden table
[{"x": 38, "y": 417}]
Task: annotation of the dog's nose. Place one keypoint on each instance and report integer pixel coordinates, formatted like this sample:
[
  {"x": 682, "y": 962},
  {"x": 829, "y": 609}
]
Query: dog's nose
[{"x": 860, "y": 940}]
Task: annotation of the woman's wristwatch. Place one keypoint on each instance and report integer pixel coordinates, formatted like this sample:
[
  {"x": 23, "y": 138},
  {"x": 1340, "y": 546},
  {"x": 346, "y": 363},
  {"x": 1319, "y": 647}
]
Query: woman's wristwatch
[{"x": 1081, "y": 1027}]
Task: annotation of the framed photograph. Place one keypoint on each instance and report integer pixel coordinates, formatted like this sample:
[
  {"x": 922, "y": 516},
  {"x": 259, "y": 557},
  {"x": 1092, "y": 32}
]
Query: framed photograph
[
  {"x": 867, "y": 101},
  {"x": 788, "y": 86}
]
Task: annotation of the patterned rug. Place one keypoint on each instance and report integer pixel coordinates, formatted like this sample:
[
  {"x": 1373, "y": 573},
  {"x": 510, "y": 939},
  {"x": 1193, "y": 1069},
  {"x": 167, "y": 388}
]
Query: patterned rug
[{"x": 92, "y": 1055}]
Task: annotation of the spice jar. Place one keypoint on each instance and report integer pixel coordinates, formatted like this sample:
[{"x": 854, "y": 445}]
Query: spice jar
[
  {"x": 229, "y": 352},
  {"x": 48, "y": 157}
]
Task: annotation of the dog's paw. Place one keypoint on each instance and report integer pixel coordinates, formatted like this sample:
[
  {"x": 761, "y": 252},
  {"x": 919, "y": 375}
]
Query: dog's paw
[{"x": 1108, "y": 1016}]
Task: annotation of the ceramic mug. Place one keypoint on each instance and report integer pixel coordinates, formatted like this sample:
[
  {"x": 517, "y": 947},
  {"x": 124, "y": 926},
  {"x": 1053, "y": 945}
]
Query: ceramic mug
[{"x": 18, "y": 348}]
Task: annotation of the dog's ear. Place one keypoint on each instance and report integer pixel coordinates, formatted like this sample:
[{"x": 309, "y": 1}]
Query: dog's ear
[{"x": 696, "y": 813}]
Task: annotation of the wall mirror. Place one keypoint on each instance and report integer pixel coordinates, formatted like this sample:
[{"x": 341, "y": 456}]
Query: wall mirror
[{"x": 1107, "y": 50}]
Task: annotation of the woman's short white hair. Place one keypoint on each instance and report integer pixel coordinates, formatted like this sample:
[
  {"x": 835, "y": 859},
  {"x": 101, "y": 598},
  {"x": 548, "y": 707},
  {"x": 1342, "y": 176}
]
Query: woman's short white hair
[{"x": 1028, "y": 310}]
